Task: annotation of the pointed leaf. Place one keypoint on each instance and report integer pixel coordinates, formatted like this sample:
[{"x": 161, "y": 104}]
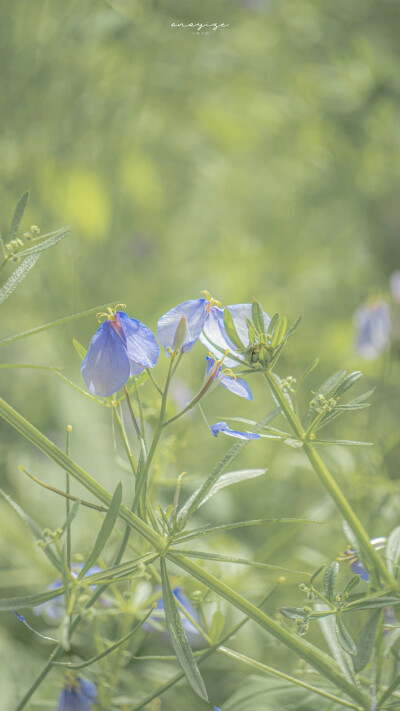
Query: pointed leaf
[
  {"x": 330, "y": 576},
  {"x": 344, "y": 637},
  {"x": 257, "y": 316},
  {"x": 18, "y": 276},
  {"x": 224, "y": 480},
  {"x": 366, "y": 641},
  {"x": 231, "y": 330},
  {"x": 178, "y": 638},
  {"x": 81, "y": 350},
  {"x": 393, "y": 551},
  {"x": 51, "y": 241},
  {"x": 105, "y": 530},
  {"x": 18, "y": 215}
]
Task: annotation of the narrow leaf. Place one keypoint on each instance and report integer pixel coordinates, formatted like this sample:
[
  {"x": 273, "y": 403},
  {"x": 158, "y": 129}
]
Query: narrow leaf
[
  {"x": 224, "y": 481},
  {"x": 18, "y": 215},
  {"x": 231, "y": 330},
  {"x": 35, "y": 530},
  {"x": 257, "y": 316},
  {"x": 205, "y": 555},
  {"x": 105, "y": 530},
  {"x": 393, "y": 551},
  {"x": 81, "y": 350},
  {"x": 374, "y": 602},
  {"x": 366, "y": 641},
  {"x": 293, "y": 613},
  {"x": 18, "y": 276},
  {"x": 344, "y": 637},
  {"x": 328, "y": 626},
  {"x": 330, "y": 576},
  {"x": 178, "y": 638},
  {"x": 52, "y": 240}
]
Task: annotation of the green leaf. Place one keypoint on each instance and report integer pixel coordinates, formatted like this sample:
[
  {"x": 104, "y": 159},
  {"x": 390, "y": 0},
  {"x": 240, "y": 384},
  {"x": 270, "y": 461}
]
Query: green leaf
[
  {"x": 105, "y": 530},
  {"x": 178, "y": 639},
  {"x": 217, "y": 626},
  {"x": 328, "y": 626},
  {"x": 17, "y": 277},
  {"x": 19, "y": 603},
  {"x": 330, "y": 576},
  {"x": 231, "y": 330},
  {"x": 18, "y": 215},
  {"x": 272, "y": 324},
  {"x": 81, "y": 350},
  {"x": 205, "y": 555},
  {"x": 366, "y": 641},
  {"x": 206, "y": 530},
  {"x": 35, "y": 530},
  {"x": 52, "y": 239},
  {"x": 347, "y": 383},
  {"x": 257, "y": 316},
  {"x": 374, "y": 602},
  {"x": 392, "y": 553},
  {"x": 344, "y": 442},
  {"x": 224, "y": 481},
  {"x": 329, "y": 387},
  {"x": 344, "y": 637},
  {"x": 279, "y": 332},
  {"x": 294, "y": 613},
  {"x": 52, "y": 324}
]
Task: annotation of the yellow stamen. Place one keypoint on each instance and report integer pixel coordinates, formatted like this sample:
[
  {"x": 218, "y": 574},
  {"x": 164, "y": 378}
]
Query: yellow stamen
[
  {"x": 110, "y": 313},
  {"x": 210, "y": 299}
]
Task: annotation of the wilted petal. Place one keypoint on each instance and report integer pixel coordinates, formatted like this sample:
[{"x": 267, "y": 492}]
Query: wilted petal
[
  {"x": 214, "y": 333},
  {"x": 223, "y": 427},
  {"x": 196, "y": 314},
  {"x": 237, "y": 386},
  {"x": 105, "y": 368},
  {"x": 239, "y": 313},
  {"x": 373, "y": 327},
  {"x": 141, "y": 345}
]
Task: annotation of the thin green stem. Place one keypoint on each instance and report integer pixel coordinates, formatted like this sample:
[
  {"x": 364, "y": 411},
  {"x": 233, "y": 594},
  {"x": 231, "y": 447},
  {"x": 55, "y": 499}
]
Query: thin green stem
[
  {"x": 67, "y": 500},
  {"x": 274, "y": 672},
  {"x": 132, "y": 414},
  {"x": 329, "y": 483},
  {"x": 141, "y": 415},
  {"x": 153, "y": 380}
]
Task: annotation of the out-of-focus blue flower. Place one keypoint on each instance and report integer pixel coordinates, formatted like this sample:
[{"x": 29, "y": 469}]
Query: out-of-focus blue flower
[
  {"x": 356, "y": 566},
  {"x": 77, "y": 695},
  {"x": 228, "y": 379},
  {"x": 54, "y": 609},
  {"x": 373, "y": 327},
  {"x": 121, "y": 347},
  {"x": 216, "y": 708},
  {"x": 198, "y": 313},
  {"x": 223, "y": 427},
  {"x": 395, "y": 285},
  {"x": 156, "y": 620}
]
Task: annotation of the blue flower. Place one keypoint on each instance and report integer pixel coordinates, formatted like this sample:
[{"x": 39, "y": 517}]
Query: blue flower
[
  {"x": 78, "y": 695},
  {"x": 228, "y": 379},
  {"x": 356, "y": 566},
  {"x": 54, "y": 609},
  {"x": 121, "y": 347},
  {"x": 223, "y": 427},
  {"x": 373, "y": 326},
  {"x": 198, "y": 312}
]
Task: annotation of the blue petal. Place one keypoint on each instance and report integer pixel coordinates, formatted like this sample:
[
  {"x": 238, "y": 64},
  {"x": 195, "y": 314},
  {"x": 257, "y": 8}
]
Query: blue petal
[
  {"x": 223, "y": 427},
  {"x": 214, "y": 332},
  {"x": 359, "y": 569},
  {"x": 196, "y": 314},
  {"x": 88, "y": 690},
  {"x": 141, "y": 345},
  {"x": 72, "y": 699},
  {"x": 237, "y": 386},
  {"x": 240, "y": 312},
  {"x": 105, "y": 368},
  {"x": 373, "y": 327}
]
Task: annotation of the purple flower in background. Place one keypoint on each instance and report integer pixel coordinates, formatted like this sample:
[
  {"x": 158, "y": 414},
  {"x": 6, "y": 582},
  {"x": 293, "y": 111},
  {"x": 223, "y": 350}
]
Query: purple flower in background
[
  {"x": 394, "y": 281},
  {"x": 198, "y": 313},
  {"x": 55, "y": 608},
  {"x": 227, "y": 379},
  {"x": 223, "y": 427},
  {"x": 373, "y": 326},
  {"x": 78, "y": 695},
  {"x": 356, "y": 566},
  {"x": 121, "y": 347}
]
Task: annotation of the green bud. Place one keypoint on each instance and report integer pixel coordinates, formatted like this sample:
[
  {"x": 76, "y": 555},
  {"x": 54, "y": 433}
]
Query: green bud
[{"x": 180, "y": 334}]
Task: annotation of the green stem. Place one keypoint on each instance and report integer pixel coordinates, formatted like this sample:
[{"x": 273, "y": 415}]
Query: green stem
[
  {"x": 67, "y": 500},
  {"x": 329, "y": 483},
  {"x": 318, "y": 659},
  {"x": 274, "y": 672}
]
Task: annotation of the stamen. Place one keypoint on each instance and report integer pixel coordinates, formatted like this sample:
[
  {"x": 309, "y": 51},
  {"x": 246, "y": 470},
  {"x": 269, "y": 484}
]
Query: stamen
[{"x": 211, "y": 300}]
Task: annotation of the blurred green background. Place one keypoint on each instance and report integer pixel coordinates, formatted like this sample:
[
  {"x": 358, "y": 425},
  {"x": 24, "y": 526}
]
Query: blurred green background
[{"x": 259, "y": 159}]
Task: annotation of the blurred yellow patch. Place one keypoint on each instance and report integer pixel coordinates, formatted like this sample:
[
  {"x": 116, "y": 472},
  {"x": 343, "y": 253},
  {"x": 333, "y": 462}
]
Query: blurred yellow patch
[
  {"x": 80, "y": 199},
  {"x": 139, "y": 177}
]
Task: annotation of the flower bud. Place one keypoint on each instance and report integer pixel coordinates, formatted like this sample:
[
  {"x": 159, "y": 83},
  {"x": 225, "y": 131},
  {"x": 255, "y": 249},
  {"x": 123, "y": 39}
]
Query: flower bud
[{"x": 180, "y": 334}]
